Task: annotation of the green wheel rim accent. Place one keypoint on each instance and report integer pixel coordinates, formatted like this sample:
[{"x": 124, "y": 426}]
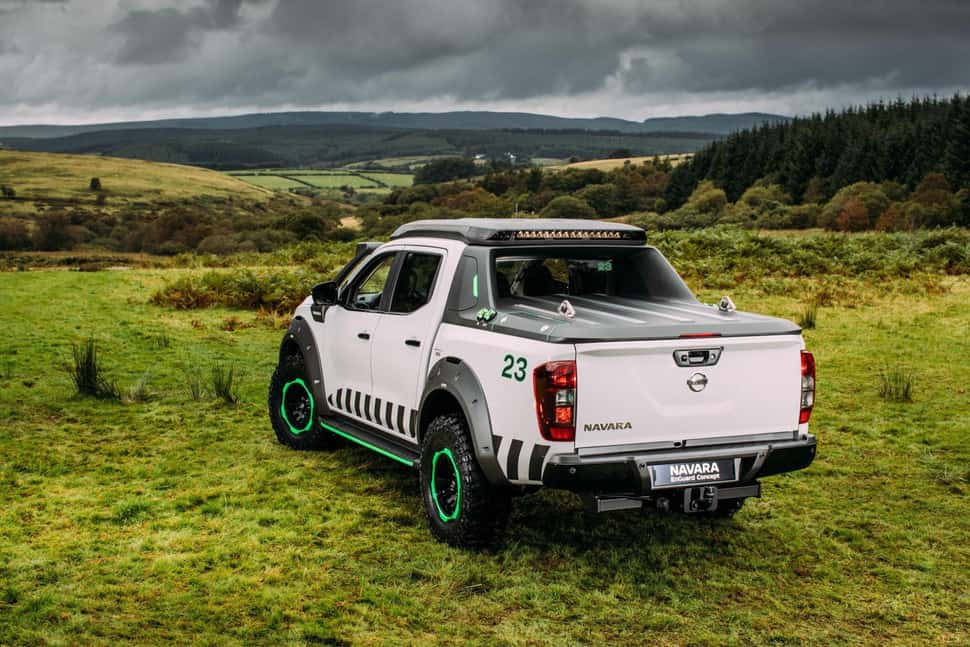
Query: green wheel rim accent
[
  {"x": 309, "y": 423},
  {"x": 434, "y": 489}
]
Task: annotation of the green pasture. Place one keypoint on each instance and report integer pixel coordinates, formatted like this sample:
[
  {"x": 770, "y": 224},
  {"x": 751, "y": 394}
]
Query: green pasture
[{"x": 175, "y": 520}]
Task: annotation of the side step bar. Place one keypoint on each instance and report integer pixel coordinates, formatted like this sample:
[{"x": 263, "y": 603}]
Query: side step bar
[{"x": 372, "y": 440}]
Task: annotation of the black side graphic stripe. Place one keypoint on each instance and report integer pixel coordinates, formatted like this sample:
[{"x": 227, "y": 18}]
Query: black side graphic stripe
[
  {"x": 535, "y": 461},
  {"x": 400, "y": 418},
  {"x": 512, "y": 466},
  {"x": 388, "y": 415},
  {"x": 330, "y": 399},
  {"x": 357, "y": 402},
  {"x": 496, "y": 443},
  {"x": 414, "y": 422},
  {"x": 367, "y": 407},
  {"x": 377, "y": 411},
  {"x": 340, "y": 395}
]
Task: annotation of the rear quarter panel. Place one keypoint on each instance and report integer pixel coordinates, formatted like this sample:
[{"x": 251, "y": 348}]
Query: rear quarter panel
[{"x": 504, "y": 365}]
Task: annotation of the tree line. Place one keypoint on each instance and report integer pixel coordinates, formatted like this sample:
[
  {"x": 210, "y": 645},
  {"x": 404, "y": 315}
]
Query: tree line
[{"x": 814, "y": 157}]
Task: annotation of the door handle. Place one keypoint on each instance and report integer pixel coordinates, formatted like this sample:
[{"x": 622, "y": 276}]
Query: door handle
[
  {"x": 412, "y": 342},
  {"x": 363, "y": 335}
]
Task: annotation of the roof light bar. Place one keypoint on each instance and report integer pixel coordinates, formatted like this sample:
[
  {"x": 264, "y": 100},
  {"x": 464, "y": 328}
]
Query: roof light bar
[{"x": 566, "y": 234}]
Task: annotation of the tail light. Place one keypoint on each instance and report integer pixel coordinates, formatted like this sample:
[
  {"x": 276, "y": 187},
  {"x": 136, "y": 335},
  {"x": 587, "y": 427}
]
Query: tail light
[
  {"x": 555, "y": 389},
  {"x": 808, "y": 387}
]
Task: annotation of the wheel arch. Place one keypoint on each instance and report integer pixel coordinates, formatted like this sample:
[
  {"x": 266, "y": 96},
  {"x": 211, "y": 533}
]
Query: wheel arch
[
  {"x": 299, "y": 340},
  {"x": 453, "y": 387}
]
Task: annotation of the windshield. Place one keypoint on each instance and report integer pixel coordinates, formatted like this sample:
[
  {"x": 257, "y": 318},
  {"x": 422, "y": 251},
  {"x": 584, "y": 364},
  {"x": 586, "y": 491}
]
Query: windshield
[{"x": 640, "y": 273}]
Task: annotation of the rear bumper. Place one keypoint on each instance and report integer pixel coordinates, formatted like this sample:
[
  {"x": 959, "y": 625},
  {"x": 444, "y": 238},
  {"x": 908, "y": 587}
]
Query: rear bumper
[{"x": 629, "y": 474}]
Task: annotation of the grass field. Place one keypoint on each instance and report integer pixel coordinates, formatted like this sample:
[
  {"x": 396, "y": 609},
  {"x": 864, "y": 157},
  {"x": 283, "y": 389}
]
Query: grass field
[
  {"x": 175, "y": 520},
  {"x": 610, "y": 164},
  {"x": 287, "y": 179},
  {"x": 64, "y": 180}
]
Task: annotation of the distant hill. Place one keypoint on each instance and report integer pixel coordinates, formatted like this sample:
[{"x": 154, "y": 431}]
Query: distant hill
[
  {"x": 63, "y": 181},
  {"x": 716, "y": 124},
  {"x": 335, "y": 145}
]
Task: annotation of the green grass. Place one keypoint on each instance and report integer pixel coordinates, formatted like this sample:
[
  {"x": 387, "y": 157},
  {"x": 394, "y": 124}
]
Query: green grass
[
  {"x": 178, "y": 521},
  {"x": 286, "y": 179},
  {"x": 272, "y": 182},
  {"x": 333, "y": 180},
  {"x": 64, "y": 181},
  {"x": 391, "y": 179}
]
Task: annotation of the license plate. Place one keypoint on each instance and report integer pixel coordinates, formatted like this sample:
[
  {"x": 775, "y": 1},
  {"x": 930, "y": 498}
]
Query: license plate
[{"x": 695, "y": 472}]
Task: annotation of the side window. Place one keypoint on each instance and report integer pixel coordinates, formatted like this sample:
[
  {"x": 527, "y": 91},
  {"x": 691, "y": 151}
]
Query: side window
[
  {"x": 415, "y": 282},
  {"x": 367, "y": 292}
]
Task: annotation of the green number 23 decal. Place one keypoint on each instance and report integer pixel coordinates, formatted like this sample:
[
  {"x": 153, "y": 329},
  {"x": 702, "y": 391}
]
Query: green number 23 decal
[{"x": 517, "y": 363}]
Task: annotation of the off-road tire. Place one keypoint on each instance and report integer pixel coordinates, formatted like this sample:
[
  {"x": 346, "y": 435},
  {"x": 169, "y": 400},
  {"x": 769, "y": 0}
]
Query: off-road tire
[
  {"x": 479, "y": 513},
  {"x": 299, "y": 429}
]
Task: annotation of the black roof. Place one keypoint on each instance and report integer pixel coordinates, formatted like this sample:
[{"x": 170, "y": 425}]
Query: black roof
[{"x": 504, "y": 231}]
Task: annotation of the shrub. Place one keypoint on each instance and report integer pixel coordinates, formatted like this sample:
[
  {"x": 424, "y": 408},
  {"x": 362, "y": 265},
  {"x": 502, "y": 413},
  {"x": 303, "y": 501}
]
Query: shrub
[
  {"x": 14, "y": 235},
  {"x": 281, "y": 291},
  {"x": 443, "y": 170},
  {"x": 95, "y": 184},
  {"x": 139, "y": 391},
  {"x": 193, "y": 383},
  {"x": 808, "y": 316},
  {"x": 225, "y": 383},
  {"x": 892, "y": 219},
  {"x": 88, "y": 375},
  {"x": 707, "y": 198},
  {"x": 853, "y": 217},
  {"x": 566, "y": 206},
  {"x": 896, "y": 385},
  {"x": 867, "y": 194}
]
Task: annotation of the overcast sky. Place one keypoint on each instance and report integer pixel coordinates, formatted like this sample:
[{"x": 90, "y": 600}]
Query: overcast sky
[{"x": 82, "y": 61}]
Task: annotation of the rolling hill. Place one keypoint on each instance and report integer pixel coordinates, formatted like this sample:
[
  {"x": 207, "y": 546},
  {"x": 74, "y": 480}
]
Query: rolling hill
[
  {"x": 335, "y": 145},
  {"x": 64, "y": 181},
  {"x": 715, "y": 124}
]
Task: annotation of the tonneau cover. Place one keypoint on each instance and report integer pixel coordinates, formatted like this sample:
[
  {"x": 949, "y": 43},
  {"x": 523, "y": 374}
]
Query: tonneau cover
[{"x": 601, "y": 318}]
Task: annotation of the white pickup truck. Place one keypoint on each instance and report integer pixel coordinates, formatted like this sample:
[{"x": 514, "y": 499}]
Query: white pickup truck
[{"x": 498, "y": 356}]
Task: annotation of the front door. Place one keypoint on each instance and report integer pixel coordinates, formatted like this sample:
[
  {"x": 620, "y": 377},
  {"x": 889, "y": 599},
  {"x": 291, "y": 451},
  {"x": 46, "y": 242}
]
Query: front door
[
  {"x": 348, "y": 335},
  {"x": 402, "y": 344}
]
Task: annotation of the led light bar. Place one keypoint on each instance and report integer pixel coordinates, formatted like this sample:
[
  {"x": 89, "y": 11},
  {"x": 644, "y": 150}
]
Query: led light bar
[{"x": 567, "y": 234}]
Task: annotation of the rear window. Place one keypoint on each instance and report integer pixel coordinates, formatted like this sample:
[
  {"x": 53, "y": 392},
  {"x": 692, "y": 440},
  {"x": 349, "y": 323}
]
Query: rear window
[{"x": 641, "y": 273}]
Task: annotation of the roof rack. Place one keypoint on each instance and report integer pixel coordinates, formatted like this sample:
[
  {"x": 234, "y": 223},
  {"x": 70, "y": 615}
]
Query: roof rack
[{"x": 511, "y": 231}]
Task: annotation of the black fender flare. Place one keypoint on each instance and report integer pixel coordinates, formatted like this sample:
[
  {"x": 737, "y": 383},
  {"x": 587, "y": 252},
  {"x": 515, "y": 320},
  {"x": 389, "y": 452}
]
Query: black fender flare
[
  {"x": 452, "y": 376},
  {"x": 299, "y": 338}
]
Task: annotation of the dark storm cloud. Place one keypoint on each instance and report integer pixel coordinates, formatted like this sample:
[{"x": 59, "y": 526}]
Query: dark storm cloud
[
  {"x": 168, "y": 34},
  {"x": 566, "y": 56}
]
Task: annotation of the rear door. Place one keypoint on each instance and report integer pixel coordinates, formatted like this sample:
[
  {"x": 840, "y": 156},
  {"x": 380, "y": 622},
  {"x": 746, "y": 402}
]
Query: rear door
[
  {"x": 402, "y": 345},
  {"x": 670, "y": 393}
]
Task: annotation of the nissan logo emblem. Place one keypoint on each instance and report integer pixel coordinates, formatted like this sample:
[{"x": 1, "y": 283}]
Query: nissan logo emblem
[{"x": 697, "y": 382}]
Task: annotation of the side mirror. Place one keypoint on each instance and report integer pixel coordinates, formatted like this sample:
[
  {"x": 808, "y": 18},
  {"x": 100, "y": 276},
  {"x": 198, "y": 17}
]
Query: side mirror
[{"x": 325, "y": 294}]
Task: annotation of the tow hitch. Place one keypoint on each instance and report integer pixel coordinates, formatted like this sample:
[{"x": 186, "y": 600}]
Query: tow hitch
[{"x": 700, "y": 499}]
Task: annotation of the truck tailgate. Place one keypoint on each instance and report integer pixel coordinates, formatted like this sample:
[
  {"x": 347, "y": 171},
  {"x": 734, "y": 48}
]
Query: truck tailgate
[{"x": 635, "y": 393}]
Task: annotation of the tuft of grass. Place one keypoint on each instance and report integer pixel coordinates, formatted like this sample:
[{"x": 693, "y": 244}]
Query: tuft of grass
[
  {"x": 193, "y": 382},
  {"x": 139, "y": 392},
  {"x": 88, "y": 375},
  {"x": 808, "y": 316},
  {"x": 225, "y": 383},
  {"x": 160, "y": 341},
  {"x": 896, "y": 385}
]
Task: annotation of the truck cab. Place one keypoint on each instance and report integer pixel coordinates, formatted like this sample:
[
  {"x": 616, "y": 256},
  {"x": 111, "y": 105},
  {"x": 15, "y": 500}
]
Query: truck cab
[{"x": 497, "y": 356}]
